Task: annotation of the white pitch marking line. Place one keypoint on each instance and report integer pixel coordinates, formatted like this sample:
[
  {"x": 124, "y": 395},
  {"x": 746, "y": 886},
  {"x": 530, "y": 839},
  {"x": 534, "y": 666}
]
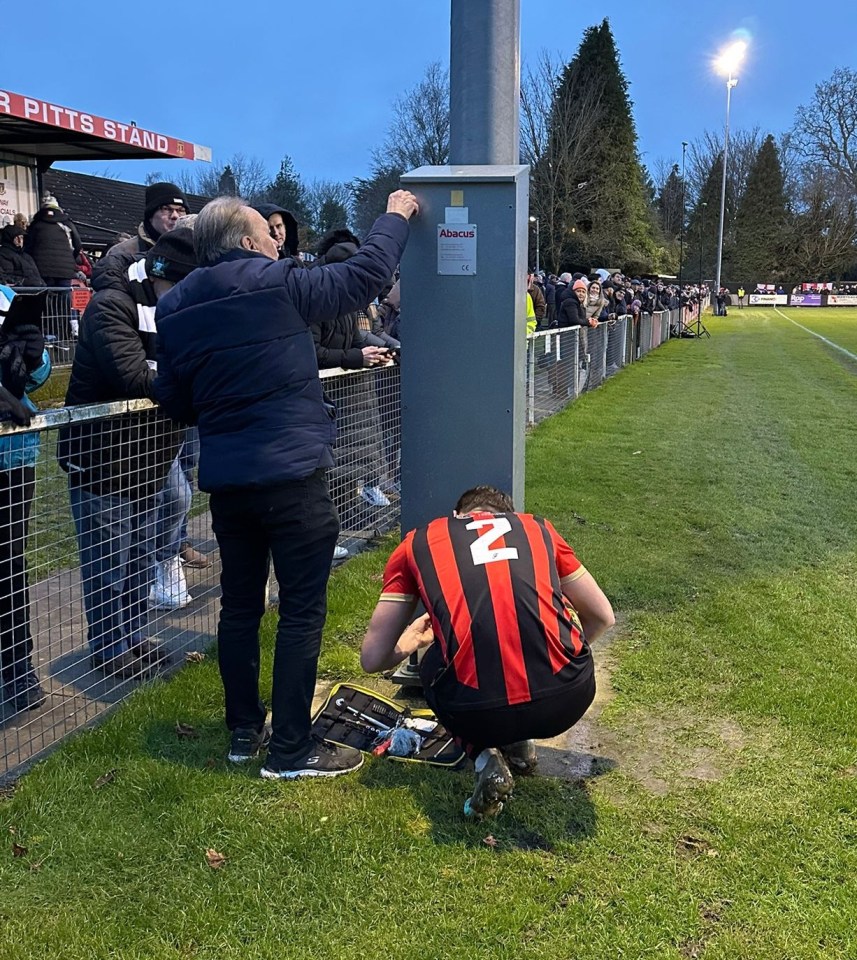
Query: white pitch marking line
[{"x": 830, "y": 343}]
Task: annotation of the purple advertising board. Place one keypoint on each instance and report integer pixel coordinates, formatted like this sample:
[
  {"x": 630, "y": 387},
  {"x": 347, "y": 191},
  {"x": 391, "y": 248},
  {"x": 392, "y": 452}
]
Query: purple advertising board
[{"x": 806, "y": 300}]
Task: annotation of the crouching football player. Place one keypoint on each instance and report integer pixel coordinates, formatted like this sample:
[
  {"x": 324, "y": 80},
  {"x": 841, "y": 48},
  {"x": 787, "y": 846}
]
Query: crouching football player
[{"x": 511, "y": 612}]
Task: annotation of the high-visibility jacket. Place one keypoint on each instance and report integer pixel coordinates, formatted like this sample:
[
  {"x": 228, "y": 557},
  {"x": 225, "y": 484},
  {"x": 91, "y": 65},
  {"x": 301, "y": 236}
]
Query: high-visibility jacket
[{"x": 531, "y": 315}]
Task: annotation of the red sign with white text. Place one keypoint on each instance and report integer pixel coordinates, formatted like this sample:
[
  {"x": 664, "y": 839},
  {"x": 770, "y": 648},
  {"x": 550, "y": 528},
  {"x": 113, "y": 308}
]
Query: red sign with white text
[{"x": 64, "y": 118}]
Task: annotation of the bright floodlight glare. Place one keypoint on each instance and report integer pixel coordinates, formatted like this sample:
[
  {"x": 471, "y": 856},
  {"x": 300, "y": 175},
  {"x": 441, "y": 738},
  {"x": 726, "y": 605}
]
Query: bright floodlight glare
[
  {"x": 730, "y": 59},
  {"x": 532, "y": 219}
]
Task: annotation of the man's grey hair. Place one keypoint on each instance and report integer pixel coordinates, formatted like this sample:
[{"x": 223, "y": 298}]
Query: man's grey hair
[
  {"x": 219, "y": 228},
  {"x": 187, "y": 220}
]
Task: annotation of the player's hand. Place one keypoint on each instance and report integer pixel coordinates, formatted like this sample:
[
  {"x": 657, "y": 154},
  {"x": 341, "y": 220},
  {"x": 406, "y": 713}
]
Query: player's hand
[
  {"x": 416, "y": 635},
  {"x": 404, "y": 203}
]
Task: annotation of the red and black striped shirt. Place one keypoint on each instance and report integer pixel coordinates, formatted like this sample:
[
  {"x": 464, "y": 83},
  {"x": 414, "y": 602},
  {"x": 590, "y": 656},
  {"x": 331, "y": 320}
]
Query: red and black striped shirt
[{"x": 492, "y": 585}]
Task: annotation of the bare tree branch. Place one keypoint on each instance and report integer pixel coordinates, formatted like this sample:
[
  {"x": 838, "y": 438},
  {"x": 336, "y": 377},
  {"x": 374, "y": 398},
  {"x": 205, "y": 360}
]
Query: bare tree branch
[{"x": 825, "y": 130}]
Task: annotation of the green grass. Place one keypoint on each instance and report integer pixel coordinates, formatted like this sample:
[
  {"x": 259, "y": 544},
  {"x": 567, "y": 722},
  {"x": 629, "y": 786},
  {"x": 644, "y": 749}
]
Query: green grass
[
  {"x": 838, "y": 324},
  {"x": 710, "y": 489}
]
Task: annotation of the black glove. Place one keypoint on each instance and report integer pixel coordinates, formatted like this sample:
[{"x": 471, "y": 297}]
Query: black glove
[
  {"x": 31, "y": 342},
  {"x": 13, "y": 369},
  {"x": 11, "y": 408}
]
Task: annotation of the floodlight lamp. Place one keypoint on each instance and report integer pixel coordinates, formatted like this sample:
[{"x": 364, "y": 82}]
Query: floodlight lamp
[
  {"x": 533, "y": 219},
  {"x": 731, "y": 58}
]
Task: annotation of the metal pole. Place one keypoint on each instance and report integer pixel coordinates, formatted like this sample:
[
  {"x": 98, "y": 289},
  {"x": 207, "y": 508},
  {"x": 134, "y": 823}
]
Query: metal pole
[
  {"x": 681, "y": 230},
  {"x": 484, "y": 82},
  {"x": 538, "y": 268},
  {"x": 703, "y": 206},
  {"x": 730, "y": 83}
]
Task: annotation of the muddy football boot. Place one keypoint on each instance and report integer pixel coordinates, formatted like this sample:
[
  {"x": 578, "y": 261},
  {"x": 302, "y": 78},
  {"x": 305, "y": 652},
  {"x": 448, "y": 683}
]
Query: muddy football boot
[
  {"x": 494, "y": 785},
  {"x": 521, "y": 757}
]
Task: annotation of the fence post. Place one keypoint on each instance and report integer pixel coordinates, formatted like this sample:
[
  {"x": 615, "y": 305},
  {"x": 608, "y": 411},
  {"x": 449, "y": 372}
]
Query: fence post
[{"x": 531, "y": 381}]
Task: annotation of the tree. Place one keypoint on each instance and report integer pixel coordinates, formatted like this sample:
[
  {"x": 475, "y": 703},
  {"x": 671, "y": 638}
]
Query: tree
[
  {"x": 240, "y": 176},
  {"x": 555, "y": 134},
  {"x": 419, "y": 133},
  {"x": 226, "y": 183},
  {"x": 670, "y": 204},
  {"x": 704, "y": 151},
  {"x": 288, "y": 191},
  {"x": 825, "y": 130},
  {"x": 370, "y": 196},
  {"x": 329, "y": 205},
  {"x": 823, "y": 240},
  {"x": 761, "y": 221},
  {"x": 703, "y": 225},
  {"x": 603, "y": 216}
]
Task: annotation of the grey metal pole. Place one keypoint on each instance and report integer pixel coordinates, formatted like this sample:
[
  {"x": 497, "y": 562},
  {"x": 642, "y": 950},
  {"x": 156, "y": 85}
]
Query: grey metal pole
[
  {"x": 730, "y": 83},
  {"x": 484, "y": 82},
  {"x": 538, "y": 265},
  {"x": 681, "y": 230}
]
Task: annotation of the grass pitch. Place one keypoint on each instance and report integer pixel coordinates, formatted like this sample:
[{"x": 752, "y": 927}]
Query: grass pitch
[{"x": 710, "y": 489}]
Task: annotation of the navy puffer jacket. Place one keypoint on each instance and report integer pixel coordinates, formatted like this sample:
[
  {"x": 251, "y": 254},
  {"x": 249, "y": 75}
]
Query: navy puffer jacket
[{"x": 235, "y": 356}]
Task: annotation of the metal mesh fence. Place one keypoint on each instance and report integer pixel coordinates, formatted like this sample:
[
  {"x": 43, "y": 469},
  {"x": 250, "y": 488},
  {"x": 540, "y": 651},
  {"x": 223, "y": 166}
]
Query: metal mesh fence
[
  {"x": 109, "y": 573},
  {"x": 94, "y": 596},
  {"x": 60, "y": 319},
  {"x": 365, "y": 482}
]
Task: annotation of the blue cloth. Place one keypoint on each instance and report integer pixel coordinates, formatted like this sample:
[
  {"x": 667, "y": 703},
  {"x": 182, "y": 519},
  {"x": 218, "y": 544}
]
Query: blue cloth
[
  {"x": 116, "y": 541},
  {"x": 236, "y": 357},
  {"x": 174, "y": 502},
  {"x": 22, "y": 449}
]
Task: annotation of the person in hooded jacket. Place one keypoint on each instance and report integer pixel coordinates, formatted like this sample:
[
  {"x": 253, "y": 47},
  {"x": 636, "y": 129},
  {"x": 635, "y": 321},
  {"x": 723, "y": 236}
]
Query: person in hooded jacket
[
  {"x": 342, "y": 343},
  {"x": 17, "y": 268},
  {"x": 53, "y": 242},
  {"x": 283, "y": 227},
  {"x": 117, "y": 465}
]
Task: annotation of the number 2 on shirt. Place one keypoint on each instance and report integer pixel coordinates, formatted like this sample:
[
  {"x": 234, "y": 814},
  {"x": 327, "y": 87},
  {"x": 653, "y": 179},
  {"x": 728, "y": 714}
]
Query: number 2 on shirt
[{"x": 482, "y": 549}]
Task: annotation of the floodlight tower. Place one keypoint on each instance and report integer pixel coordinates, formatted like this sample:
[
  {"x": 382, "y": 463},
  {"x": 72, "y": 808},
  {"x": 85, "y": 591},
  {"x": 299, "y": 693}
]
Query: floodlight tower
[{"x": 727, "y": 66}]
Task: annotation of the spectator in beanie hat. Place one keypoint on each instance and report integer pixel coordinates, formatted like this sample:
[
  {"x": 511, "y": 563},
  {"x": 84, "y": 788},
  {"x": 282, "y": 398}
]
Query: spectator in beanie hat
[{"x": 165, "y": 203}]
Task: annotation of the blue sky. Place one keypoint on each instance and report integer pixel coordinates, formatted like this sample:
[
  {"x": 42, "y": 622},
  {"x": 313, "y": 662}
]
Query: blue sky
[{"x": 316, "y": 80}]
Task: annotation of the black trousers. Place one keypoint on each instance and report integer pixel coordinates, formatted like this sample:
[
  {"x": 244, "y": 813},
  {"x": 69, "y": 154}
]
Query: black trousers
[
  {"x": 295, "y": 524},
  {"x": 476, "y": 729},
  {"x": 17, "y": 487}
]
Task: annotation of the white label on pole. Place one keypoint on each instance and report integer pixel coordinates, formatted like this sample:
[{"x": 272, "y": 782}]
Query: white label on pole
[
  {"x": 456, "y": 249},
  {"x": 457, "y": 215}
]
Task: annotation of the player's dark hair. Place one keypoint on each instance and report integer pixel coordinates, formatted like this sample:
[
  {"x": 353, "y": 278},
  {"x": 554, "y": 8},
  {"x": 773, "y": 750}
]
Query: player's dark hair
[{"x": 488, "y": 498}]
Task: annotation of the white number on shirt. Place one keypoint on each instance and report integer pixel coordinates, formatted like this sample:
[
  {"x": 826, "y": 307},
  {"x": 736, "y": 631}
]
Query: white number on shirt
[{"x": 482, "y": 549}]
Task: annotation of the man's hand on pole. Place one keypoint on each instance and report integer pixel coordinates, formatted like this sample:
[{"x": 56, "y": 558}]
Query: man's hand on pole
[{"x": 404, "y": 203}]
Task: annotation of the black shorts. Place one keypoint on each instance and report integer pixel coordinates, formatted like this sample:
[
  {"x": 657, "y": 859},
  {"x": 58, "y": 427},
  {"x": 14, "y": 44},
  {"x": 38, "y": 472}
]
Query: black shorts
[{"x": 540, "y": 719}]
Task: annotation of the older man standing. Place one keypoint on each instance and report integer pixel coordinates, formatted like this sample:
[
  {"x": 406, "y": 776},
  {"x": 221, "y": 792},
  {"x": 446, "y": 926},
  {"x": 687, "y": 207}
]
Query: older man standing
[{"x": 236, "y": 357}]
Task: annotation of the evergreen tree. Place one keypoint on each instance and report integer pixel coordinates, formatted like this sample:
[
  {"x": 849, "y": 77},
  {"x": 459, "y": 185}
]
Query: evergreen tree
[
  {"x": 761, "y": 222},
  {"x": 602, "y": 183},
  {"x": 370, "y": 196},
  {"x": 226, "y": 186},
  {"x": 702, "y": 230},
  {"x": 669, "y": 204},
  {"x": 287, "y": 190}
]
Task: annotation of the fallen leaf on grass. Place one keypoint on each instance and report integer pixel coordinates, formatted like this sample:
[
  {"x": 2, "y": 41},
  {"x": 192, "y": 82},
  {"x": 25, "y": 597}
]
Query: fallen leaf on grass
[
  {"x": 636, "y": 453},
  {"x": 194, "y": 656},
  {"x": 104, "y": 779},
  {"x": 490, "y": 841},
  {"x": 214, "y": 859},
  {"x": 186, "y": 731},
  {"x": 35, "y": 867},
  {"x": 18, "y": 850},
  {"x": 210, "y": 763}
]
